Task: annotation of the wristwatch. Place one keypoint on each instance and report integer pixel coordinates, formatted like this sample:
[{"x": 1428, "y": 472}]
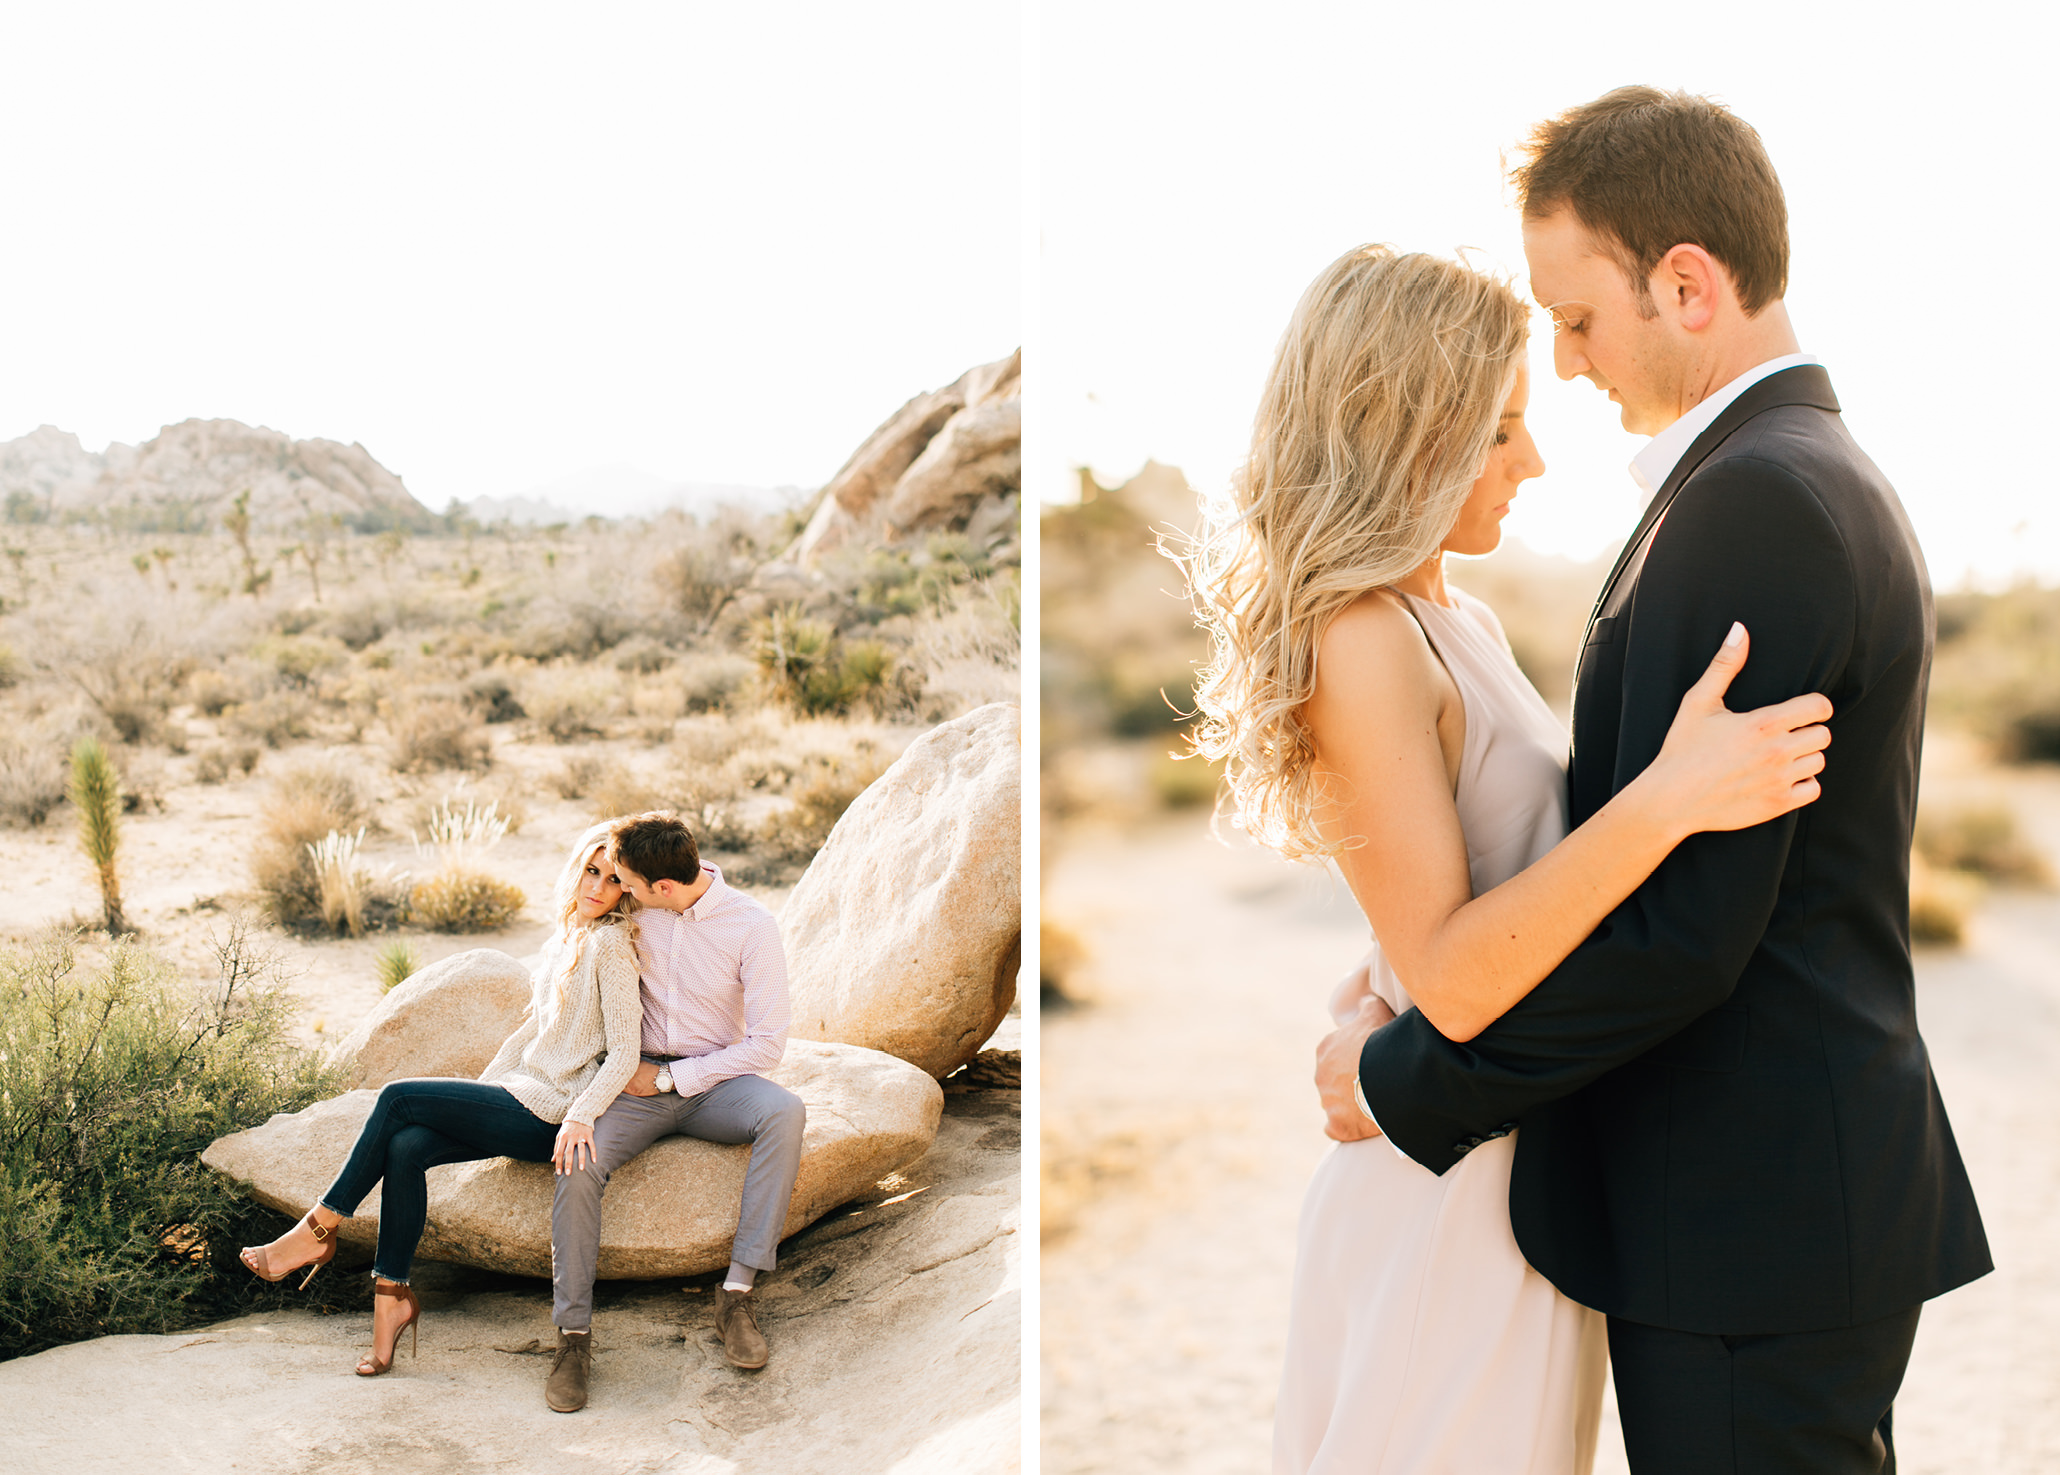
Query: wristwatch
[{"x": 664, "y": 1080}]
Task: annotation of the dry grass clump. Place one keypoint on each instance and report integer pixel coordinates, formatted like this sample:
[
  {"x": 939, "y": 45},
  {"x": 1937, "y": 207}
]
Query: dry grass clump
[
  {"x": 342, "y": 883},
  {"x": 438, "y": 732},
  {"x": 461, "y": 896},
  {"x": 464, "y": 901},
  {"x": 310, "y": 801},
  {"x": 1983, "y": 840}
]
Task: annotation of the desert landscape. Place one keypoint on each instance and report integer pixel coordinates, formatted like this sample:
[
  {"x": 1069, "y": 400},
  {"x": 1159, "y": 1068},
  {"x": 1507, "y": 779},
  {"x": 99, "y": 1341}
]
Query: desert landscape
[
  {"x": 278, "y": 743},
  {"x": 1175, "y": 1149}
]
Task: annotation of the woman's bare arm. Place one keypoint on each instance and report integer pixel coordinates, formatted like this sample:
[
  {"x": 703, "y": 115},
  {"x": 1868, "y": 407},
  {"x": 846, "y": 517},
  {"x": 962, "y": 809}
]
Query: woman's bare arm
[{"x": 1467, "y": 959}]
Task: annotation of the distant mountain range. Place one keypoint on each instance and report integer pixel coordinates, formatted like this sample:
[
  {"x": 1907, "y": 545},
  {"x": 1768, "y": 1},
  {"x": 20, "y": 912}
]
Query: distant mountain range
[
  {"x": 190, "y": 474},
  {"x": 623, "y": 491}
]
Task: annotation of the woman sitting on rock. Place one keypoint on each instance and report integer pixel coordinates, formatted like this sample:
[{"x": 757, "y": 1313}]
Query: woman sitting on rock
[{"x": 576, "y": 1048}]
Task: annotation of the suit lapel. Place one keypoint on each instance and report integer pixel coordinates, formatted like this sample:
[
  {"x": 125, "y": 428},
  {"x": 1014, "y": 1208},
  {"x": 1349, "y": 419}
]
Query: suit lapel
[{"x": 1805, "y": 384}]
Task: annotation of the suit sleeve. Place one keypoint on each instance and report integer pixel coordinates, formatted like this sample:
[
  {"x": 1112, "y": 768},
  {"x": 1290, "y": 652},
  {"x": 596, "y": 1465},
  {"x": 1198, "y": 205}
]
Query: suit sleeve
[{"x": 1744, "y": 540}]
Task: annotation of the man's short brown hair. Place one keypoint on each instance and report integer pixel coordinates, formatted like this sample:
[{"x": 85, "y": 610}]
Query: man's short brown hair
[
  {"x": 1646, "y": 171},
  {"x": 657, "y": 847}
]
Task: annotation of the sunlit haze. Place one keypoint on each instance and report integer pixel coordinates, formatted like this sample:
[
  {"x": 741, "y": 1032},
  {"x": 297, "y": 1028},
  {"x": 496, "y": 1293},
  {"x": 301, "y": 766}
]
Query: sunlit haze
[
  {"x": 1200, "y": 165},
  {"x": 505, "y": 245}
]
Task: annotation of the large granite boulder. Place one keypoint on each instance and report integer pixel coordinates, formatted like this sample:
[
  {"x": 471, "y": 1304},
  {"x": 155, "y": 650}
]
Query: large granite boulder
[
  {"x": 446, "y": 1020},
  {"x": 671, "y": 1211},
  {"x": 905, "y": 933}
]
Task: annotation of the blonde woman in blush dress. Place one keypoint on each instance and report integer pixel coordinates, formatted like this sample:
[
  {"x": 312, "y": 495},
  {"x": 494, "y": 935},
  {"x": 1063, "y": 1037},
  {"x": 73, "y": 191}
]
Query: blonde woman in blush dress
[{"x": 1371, "y": 713}]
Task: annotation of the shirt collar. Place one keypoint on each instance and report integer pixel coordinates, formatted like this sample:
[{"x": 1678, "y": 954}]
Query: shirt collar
[
  {"x": 709, "y": 897},
  {"x": 1651, "y": 467}
]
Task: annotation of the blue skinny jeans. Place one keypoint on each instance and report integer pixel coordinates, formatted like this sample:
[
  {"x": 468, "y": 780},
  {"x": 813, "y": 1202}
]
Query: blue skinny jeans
[{"x": 420, "y": 1124}]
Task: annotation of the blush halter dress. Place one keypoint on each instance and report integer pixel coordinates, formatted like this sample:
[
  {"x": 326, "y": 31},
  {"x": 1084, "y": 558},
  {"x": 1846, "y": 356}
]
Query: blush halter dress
[{"x": 1419, "y": 1341}]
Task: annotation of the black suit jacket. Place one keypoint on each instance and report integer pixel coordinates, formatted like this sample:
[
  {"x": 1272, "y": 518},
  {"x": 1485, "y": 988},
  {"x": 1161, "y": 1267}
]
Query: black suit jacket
[{"x": 1729, "y": 1123}]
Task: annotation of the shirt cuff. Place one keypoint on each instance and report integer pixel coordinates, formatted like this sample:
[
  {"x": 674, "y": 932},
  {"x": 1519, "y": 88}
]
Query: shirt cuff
[{"x": 1359, "y": 1095}]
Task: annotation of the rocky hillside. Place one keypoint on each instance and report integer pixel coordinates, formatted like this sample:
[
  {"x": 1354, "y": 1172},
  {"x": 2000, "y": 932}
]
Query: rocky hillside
[
  {"x": 949, "y": 460},
  {"x": 190, "y": 474}
]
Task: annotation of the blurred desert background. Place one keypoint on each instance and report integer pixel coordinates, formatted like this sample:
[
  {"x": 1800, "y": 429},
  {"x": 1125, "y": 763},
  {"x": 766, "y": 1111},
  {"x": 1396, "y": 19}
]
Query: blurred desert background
[{"x": 1184, "y": 977}]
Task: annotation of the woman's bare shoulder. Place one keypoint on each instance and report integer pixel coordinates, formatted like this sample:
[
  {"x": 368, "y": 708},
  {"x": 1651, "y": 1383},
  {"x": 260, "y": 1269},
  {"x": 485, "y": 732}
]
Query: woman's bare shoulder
[{"x": 1374, "y": 651}]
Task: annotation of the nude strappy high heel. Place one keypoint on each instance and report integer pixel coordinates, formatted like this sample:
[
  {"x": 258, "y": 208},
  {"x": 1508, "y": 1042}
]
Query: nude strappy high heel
[
  {"x": 370, "y": 1366},
  {"x": 258, "y": 1263}
]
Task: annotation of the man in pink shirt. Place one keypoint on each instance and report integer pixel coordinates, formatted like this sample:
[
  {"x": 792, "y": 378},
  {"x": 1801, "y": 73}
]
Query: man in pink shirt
[{"x": 715, "y": 1021}]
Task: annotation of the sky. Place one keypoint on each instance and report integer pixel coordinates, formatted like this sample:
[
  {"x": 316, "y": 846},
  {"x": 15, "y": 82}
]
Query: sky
[
  {"x": 504, "y": 244},
  {"x": 1200, "y": 164}
]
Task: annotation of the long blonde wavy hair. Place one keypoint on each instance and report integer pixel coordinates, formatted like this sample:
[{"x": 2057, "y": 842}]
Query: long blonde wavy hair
[
  {"x": 1377, "y": 419},
  {"x": 571, "y": 928}
]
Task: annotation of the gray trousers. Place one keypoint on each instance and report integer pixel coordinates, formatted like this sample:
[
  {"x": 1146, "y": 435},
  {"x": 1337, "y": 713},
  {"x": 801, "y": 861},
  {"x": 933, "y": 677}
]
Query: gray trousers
[{"x": 741, "y": 1109}]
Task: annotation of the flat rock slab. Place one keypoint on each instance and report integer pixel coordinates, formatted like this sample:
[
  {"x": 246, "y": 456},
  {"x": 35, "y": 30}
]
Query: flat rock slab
[
  {"x": 672, "y": 1210},
  {"x": 905, "y": 933},
  {"x": 895, "y": 1326}
]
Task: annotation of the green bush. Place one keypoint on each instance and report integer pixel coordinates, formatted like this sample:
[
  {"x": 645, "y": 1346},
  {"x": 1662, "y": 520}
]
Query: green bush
[
  {"x": 112, "y": 1081},
  {"x": 464, "y": 901}
]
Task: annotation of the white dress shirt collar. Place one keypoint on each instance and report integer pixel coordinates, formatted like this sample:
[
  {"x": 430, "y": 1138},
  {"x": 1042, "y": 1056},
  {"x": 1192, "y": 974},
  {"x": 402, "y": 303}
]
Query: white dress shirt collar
[{"x": 1651, "y": 467}]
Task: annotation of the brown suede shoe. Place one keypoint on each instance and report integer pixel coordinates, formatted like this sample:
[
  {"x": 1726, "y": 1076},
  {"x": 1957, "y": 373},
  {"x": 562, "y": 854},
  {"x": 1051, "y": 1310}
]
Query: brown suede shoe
[
  {"x": 566, "y": 1388},
  {"x": 737, "y": 1324}
]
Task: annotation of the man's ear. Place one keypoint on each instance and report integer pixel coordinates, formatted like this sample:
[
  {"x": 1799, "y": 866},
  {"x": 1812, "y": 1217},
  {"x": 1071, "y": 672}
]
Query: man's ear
[{"x": 1689, "y": 286}]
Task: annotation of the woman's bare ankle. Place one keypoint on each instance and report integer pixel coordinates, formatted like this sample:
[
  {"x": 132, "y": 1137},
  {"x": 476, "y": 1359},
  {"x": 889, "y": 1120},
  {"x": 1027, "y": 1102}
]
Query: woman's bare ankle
[{"x": 326, "y": 1217}]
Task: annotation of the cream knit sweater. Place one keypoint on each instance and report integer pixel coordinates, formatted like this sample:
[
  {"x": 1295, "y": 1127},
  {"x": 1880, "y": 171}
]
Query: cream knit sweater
[{"x": 569, "y": 1060}]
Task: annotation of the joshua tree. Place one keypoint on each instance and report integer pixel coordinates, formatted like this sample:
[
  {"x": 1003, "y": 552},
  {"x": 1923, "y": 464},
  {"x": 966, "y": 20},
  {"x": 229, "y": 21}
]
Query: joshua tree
[
  {"x": 96, "y": 792},
  {"x": 237, "y": 521}
]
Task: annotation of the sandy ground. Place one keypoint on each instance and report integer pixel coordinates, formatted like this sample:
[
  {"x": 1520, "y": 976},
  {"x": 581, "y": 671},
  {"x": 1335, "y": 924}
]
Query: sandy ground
[
  {"x": 1180, "y": 1128},
  {"x": 185, "y": 866}
]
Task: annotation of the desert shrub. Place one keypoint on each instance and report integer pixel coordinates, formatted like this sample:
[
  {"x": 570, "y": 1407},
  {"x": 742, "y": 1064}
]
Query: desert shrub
[
  {"x": 966, "y": 654},
  {"x": 804, "y": 664},
  {"x": 398, "y": 962},
  {"x": 713, "y": 682},
  {"x": 576, "y": 777},
  {"x": 792, "y": 835},
  {"x": 464, "y": 901},
  {"x": 32, "y": 777},
  {"x": 309, "y": 802},
  {"x": 1941, "y": 901},
  {"x": 1983, "y": 840},
  {"x": 10, "y": 667},
  {"x": 492, "y": 695},
  {"x": 642, "y": 656},
  {"x": 438, "y": 733},
  {"x": 580, "y": 628},
  {"x": 143, "y": 780},
  {"x": 213, "y": 692},
  {"x": 621, "y": 790},
  {"x": 1998, "y": 670},
  {"x": 215, "y": 764},
  {"x": 299, "y": 659},
  {"x": 274, "y": 719},
  {"x": 112, "y": 1080},
  {"x": 568, "y": 705}
]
